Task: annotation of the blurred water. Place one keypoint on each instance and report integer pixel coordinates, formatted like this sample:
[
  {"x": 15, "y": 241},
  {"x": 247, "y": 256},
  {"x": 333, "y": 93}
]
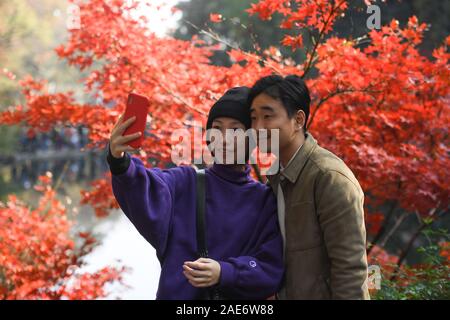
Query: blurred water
[{"x": 121, "y": 241}]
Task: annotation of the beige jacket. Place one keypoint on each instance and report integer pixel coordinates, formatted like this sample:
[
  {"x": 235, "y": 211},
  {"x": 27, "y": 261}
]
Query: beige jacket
[{"x": 324, "y": 220}]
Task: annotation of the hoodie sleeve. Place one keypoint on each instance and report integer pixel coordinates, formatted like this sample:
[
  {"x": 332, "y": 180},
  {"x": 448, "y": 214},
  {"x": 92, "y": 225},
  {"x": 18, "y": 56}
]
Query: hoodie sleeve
[
  {"x": 259, "y": 274},
  {"x": 146, "y": 196}
]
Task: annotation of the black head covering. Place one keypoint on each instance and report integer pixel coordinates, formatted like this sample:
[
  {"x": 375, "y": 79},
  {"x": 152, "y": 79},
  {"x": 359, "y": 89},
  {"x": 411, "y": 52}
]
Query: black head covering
[{"x": 233, "y": 104}]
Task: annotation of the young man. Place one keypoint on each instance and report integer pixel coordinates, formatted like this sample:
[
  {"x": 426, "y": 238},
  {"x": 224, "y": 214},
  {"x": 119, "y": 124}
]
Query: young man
[
  {"x": 320, "y": 202},
  {"x": 243, "y": 238}
]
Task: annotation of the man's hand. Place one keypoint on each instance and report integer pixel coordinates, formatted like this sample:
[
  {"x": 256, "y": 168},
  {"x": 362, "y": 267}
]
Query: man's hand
[
  {"x": 117, "y": 141},
  {"x": 202, "y": 273}
]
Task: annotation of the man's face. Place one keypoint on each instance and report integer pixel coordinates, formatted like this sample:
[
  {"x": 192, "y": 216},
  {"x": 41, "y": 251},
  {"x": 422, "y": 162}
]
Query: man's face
[{"x": 269, "y": 113}]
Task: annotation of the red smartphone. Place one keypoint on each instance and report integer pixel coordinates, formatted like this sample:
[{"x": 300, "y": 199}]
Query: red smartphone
[{"x": 137, "y": 105}]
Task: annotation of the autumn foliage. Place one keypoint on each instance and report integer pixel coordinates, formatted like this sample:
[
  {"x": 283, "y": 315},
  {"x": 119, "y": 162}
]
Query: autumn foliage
[
  {"x": 39, "y": 256},
  {"x": 378, "y": 103}
]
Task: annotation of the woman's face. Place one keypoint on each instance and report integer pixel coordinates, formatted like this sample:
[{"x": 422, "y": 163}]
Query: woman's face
[{"x": 231, "y": 146}]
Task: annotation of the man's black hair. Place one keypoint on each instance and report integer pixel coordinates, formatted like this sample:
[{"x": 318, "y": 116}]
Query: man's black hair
[{"x": 290, "y": 90}]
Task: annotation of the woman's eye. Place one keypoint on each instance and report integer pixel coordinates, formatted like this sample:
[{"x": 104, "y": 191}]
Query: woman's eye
[
  {"x": 267, "y": 116},
  {"x": 253, "y": 118}
]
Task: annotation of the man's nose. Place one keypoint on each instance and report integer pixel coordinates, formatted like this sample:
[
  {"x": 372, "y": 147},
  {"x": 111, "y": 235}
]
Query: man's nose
[{"x": 257, "y": 124}]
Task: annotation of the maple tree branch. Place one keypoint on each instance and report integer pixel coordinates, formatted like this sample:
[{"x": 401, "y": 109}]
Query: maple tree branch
[
  {"x": 61, "y": 176},
  {"x": 319, "y": 38},
  {"x": 323, "y": 100},
  {"x": 182, "y": 100},
  {"x": 216, "y": 37},
  {"x": 414, "y": 237},
  {"x": 361, "y": 40},
  {"x": 333, "y": 94},
  {"x": 404, "y": 253},
  {"x": 168, "y": 90},
  {"x": 382, "y": 230},
  {"x": 397, "y": 224}
]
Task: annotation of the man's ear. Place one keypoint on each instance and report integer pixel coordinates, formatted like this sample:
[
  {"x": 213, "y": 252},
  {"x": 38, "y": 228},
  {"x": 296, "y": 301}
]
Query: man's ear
[{"x": 300, "y": 118}]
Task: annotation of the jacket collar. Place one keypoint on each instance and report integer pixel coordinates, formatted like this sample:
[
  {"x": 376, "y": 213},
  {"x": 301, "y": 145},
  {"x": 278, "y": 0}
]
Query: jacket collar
[{"x": 295, "y": 166}]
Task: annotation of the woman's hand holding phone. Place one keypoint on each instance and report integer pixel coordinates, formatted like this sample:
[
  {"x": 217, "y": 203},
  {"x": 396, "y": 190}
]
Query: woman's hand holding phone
[
  {"x": 118, "y": 142},
  {"x": 127, "y": 134}
]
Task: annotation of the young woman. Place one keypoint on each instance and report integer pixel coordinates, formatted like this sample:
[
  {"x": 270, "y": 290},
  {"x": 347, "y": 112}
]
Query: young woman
[{"x": 245, "y": 258}]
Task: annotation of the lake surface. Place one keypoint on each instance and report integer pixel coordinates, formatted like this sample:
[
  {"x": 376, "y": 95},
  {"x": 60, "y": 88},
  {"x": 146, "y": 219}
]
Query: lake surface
[{"x": 121, "y": 241}]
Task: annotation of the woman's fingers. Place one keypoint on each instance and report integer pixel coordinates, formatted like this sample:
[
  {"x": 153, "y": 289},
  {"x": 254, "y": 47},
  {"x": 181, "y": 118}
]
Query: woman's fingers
[
  {"x": 191, "y": 277},
  {"x": 203, "y": 272},
  {"x": 197, "y": 281},
  {"x": 117, "y": 124},
  {"x": 124, "y": 139},
  {"x": 197, "y": 265},
  {"x": 126, "y": 124},
  {"x": 122, "y": 127},
  {"x": 119, "y": 121},
  {"x": 205, "y": 260},
  {"x": 118, "y": 141},
  {"x": 197, "y": 273},
  {"x": 197, "y": 278},
  {"x": 194, "y": 279}
]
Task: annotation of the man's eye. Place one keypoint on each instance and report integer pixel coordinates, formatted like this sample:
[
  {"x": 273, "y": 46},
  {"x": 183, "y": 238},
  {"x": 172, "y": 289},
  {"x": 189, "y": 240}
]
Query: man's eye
[
  {"x": 267, "y": 116},
  {"x": 253, "y": 118}
]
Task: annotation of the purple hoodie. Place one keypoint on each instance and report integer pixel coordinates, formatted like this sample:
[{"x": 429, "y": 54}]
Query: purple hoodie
[{"x": 241, "y": 223}]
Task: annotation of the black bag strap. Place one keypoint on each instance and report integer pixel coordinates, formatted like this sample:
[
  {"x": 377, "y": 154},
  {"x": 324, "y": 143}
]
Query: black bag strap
[{"x": 202, "y": 248}]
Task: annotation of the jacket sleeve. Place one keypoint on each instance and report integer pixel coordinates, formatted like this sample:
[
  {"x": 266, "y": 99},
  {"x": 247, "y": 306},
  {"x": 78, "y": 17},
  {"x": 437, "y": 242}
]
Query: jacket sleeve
[
  {"x": 259, "y": 274},
  {"x": 341, "y": 217},
  {"x": 146, "y": 196}
]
